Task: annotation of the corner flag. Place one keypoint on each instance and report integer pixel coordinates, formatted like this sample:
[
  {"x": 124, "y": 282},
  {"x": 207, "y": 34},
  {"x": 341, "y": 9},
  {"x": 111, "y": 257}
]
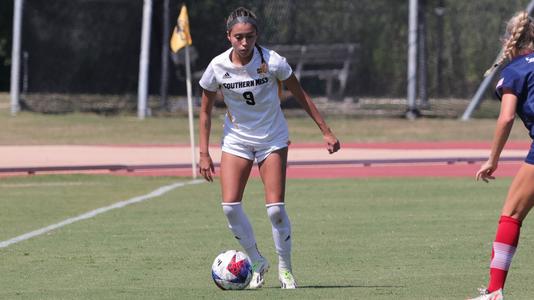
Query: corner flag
[{"x": 181, "y": 36}]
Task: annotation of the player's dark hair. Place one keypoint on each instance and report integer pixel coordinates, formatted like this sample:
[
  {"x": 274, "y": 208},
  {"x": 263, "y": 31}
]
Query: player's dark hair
[
  {"x": 263, "y": 66},
  {"x": 519, "y": 36},
  {"x": 241, "y": 15}
]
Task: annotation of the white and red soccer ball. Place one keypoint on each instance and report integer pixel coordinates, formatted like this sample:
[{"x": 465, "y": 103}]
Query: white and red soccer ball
[{"x": 231, "y": 270}]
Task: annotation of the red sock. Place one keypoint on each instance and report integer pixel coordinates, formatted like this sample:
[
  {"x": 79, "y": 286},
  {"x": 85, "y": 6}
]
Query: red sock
[{"x": 503, "y": 250}]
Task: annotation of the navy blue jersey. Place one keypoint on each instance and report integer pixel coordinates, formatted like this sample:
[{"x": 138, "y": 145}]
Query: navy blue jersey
[{"x": 518, "y": 77}]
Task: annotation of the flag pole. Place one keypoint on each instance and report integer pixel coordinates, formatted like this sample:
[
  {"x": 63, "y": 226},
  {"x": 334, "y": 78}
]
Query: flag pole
[
  {"x": 15, "y": 57},
  {"x": 144, "y": 61},
  {"x": 181, "y": 38},
  {"x": 190, "y": 112}
]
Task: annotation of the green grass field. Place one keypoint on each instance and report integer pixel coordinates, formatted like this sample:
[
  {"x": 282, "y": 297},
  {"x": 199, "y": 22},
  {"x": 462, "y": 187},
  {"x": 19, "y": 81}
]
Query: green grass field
[
  {"x": 417, "y": 238},
  {"x": 37, "y": 129},
  {"x": 83, "y": 128},
  {"x": 413, "y": 238}
]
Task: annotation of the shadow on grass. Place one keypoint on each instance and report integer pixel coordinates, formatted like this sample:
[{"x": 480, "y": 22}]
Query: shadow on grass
[{"x": 347, "y": 286}]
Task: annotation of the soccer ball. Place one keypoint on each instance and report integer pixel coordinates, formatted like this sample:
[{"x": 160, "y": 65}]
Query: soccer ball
[{"x": 231, "y": 270}]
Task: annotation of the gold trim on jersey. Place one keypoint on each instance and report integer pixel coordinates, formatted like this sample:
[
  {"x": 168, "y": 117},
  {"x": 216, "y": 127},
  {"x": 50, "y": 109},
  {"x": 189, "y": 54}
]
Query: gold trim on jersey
[{"x": 231, "y": 118}]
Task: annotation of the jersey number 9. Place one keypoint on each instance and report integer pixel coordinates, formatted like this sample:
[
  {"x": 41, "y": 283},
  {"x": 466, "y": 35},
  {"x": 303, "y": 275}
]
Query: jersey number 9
[{"x": 249, "y": 97}]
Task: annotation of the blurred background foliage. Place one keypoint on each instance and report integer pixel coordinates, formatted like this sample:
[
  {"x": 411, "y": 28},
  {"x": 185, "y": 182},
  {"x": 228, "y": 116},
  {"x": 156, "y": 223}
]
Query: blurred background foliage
[{"x": 463, "y": 37}]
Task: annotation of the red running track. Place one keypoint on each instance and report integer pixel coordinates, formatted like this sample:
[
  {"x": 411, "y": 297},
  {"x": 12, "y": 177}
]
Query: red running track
[
  {"x": 358, "y": 171},
  {"x": 420, "y": 169}
]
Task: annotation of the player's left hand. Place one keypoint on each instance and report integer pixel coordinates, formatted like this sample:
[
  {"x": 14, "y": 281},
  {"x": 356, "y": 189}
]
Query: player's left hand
[
  {"x": 486, "y": 171},
  {"x": 332, "y": 143},
  {"x": 206, "y": 167}
]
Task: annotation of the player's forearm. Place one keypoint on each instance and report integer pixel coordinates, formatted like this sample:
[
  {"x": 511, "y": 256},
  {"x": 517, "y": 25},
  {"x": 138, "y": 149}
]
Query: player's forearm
[
  {"x": 306, "y": 103},
  {"x": 205, "y": 121},
  {"x": 204, "y": 131},
  {"x": 502, "y": 132},
  {"x": 314, "y": 113}
]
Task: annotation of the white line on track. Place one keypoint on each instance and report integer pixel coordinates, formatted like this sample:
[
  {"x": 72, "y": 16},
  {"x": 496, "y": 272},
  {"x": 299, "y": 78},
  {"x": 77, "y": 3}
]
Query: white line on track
[{"x": 156, "y": 193}]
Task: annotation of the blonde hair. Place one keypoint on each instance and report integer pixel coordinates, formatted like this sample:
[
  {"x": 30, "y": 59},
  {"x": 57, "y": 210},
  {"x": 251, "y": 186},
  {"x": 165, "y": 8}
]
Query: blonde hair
[{"x": 519, "y": 36}]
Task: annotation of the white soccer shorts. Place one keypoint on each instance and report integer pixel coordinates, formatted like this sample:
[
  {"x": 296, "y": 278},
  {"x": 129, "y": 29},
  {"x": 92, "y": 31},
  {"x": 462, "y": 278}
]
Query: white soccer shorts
[{"x": 252, "y": 152}]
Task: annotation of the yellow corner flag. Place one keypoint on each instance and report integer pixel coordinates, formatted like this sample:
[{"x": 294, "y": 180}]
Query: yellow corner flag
[{"x": 181, "y": 36}]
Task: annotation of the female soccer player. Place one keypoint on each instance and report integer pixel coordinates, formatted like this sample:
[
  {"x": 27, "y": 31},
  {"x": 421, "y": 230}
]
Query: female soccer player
[
  {"x": 516, "y": 91},
  {"x": 249, "y": 76}
]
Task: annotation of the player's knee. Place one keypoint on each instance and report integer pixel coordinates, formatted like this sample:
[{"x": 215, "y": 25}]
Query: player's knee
[
  {"x": 232, "y": 210},
  {"x": 277, "y": 214}
]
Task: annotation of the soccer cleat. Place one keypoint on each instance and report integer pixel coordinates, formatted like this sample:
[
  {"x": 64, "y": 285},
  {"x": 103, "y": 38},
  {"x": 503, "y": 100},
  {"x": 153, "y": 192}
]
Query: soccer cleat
[
  {"x": 485, "y": 295},
  {"x": 287, "y": 281},
  {"x": 259, "y": 268}
]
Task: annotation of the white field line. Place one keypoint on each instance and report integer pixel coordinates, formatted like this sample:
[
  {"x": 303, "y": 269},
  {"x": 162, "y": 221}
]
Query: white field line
[{"x": 156, "y": 193}]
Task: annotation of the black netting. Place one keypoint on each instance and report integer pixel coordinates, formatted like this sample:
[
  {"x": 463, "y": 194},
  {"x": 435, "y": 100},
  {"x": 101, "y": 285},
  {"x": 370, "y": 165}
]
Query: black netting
[
  {"x": 82, "y": 46},
  {"x": 84, "y": 54}
]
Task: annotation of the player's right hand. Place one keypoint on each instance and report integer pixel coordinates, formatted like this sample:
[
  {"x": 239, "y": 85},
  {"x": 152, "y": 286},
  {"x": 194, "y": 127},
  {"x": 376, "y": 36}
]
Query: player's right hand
[
  {"x": 332, "y": 143},
  {"x": 206, "y": 168},
  {"x": 486, "y": 171}
]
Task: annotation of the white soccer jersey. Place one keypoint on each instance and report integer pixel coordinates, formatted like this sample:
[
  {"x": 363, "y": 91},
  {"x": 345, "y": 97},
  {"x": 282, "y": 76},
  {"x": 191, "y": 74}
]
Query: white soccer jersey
[{"x": 254, "y": 115}]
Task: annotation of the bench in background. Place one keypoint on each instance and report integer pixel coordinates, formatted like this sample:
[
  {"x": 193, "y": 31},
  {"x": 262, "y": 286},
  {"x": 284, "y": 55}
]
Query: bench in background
[{"x": 327, "y": 62}]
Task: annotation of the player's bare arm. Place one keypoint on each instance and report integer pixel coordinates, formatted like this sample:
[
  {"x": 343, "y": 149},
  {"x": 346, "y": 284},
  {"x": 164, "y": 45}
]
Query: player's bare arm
[
  {"x": 205, "y": 164},
  {"x": 293, "y": 85},
  {"x": 502, "y": 132}
]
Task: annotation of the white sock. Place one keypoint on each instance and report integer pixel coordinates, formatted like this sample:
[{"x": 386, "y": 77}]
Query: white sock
[
  {"x": 281, "y": 233},
  {"x": 241, "y": 228}
]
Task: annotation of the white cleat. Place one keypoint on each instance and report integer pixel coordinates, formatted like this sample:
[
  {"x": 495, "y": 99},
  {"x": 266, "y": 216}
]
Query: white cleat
[
  {"x": 485, "y": 295},
  {"x": 287, "y": 281},
  {"x": 259, "y": 268}
]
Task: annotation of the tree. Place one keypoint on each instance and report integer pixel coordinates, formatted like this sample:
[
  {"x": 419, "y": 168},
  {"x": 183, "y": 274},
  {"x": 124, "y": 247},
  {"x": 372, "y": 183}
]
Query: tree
[{"x": 6, "y": 25}]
